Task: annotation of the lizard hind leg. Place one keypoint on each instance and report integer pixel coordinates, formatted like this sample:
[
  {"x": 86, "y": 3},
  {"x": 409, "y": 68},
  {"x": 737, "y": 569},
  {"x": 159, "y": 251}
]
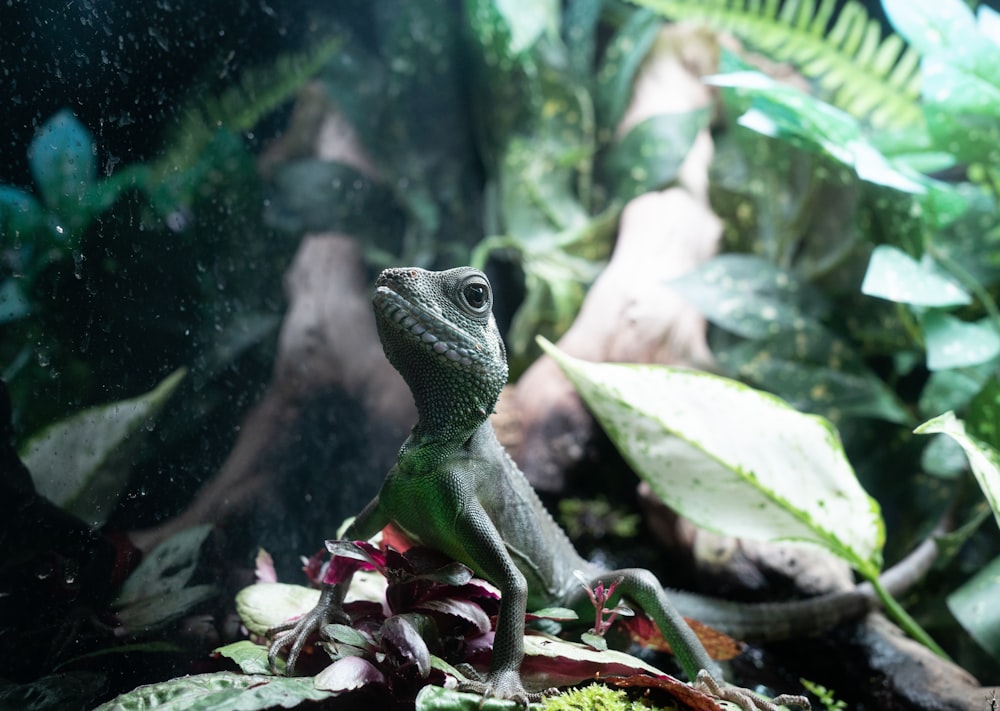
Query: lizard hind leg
[{"x": 641, "y": 587}]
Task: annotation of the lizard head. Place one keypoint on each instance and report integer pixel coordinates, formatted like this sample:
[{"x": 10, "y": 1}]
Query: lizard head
[{"x": 437, "y": 329}]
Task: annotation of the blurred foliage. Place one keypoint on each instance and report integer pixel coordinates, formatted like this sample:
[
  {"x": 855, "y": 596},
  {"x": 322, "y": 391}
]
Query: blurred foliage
[
  {"x": 843, "y": 50},
  {"x": 861, "y": 219},
  {"x": 866, "y": 286}
]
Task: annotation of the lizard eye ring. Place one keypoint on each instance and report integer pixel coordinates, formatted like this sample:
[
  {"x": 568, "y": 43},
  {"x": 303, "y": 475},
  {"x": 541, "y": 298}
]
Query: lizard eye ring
[{"x": 474, "y": 295}]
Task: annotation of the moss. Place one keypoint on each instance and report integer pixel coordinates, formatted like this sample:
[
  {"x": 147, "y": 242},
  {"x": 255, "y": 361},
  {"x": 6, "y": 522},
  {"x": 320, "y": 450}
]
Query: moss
[{"x": 595, "y": 697}]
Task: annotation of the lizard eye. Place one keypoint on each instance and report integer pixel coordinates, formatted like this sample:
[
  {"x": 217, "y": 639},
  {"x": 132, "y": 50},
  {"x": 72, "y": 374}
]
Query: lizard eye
[{"x": 474, "y": 295}]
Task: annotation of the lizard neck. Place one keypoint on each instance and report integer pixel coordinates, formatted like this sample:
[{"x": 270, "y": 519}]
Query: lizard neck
[{"x": 429, "y": 445}]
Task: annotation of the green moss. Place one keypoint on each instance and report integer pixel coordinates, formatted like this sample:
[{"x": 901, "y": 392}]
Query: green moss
[{"x": 595, "y": 697}]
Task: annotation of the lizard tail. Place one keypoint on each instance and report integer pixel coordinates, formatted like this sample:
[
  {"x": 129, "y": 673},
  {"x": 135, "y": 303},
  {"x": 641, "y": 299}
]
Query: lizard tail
[{"x": 774, "y": 621}]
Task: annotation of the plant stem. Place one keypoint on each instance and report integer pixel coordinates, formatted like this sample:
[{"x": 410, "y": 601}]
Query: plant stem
[{"x": 904, "y": 620}]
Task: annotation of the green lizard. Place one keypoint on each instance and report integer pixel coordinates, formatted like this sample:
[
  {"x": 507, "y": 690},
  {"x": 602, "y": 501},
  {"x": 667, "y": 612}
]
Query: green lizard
[{"x": 455, "y": 488}]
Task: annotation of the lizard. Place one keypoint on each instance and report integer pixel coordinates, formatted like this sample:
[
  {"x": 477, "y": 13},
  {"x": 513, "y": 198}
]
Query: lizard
[{"x": 455, "y": 488}]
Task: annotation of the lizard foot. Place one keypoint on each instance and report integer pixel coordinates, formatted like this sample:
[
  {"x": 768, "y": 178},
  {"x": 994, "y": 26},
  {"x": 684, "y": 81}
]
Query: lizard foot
[
  {"x": 745, "y": 699},
  {"x": 294, "y": 635},
  {"x": 504, "y": 685}
]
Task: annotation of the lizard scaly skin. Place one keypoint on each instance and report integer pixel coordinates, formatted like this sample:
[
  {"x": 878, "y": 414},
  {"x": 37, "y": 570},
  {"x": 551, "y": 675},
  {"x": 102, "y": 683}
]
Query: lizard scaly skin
[{"x": 455, "y": 488}]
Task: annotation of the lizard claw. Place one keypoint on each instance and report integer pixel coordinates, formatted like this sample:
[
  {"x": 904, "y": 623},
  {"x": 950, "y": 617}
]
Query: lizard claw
[
  {"x": 294, "y": 635},
  {"x": 504, "y": 685},
  {"x": 746, "y": 699}
]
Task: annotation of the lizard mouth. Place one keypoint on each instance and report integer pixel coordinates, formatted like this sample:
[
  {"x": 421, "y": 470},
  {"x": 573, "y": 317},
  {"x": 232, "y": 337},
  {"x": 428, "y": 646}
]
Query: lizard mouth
[{"x": 430, "y": 329}]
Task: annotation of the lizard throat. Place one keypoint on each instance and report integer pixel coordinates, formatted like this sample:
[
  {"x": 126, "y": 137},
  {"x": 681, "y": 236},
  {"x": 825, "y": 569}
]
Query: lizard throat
[{"x": 428, "y": 330}]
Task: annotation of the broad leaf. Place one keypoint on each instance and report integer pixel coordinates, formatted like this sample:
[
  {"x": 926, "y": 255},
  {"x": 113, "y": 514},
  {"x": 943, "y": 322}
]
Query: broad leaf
[
  {"x": 963, "y": 111},
  {"x": 348, "y": 673},
  {"x": 625, "y": 52},
  {"x": 731, "y": 458},
  {"x": 944, "y": 28},
  {"x": 20, "y": 213},
  {"x": 975, "y": 606},
  {"x": 749, "y": 296},
  {"x": 14, "y": 304},
  {"x": 816, "y": 372},
  {"x": 266, "y": 605},
  {"x": 984, "y": 459},
  {"x": 63, "y": 161},
  {"x": 168, "y": 568},
  {"x": 528, "y": 21},
  {"x": 155, "y": 612},
  {"x": 437, "y": 698},
  {"x": 649, "y": 157},
  {"x": 407, "y": 648},
  {"x": 783, "y": 112},
  {"x": 896, "y": 276},
  {"x": 983, "y": 416},
  {"x": 251, "y": 658},
  {"x": 82, "y": 463},
  {"x": 953, "y": 343},
  {"x": 221, "y": 691}
]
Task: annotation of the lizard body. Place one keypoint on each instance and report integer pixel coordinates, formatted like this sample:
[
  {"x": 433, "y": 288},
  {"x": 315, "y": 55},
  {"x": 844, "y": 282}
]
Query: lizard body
[{"x": 455, "y": 488}]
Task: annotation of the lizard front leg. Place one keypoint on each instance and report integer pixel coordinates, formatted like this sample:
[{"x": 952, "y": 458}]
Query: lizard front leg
[
  {"x": 641, "y": 587},
  {"x": 485, "y": 547},
  {"x": 329, "y": 608}
]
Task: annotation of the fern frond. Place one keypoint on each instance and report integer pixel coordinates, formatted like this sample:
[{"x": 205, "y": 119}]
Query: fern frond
[
  {"x": 873, "y": 79},
  {"x": 259, "y": 91}
]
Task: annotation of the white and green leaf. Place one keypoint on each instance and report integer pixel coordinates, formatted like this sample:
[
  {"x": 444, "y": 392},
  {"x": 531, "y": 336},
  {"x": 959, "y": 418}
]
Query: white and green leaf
[
  {"x": 984, "y": 459},
  {"x": 82, "y": 463},
  {"x": 731, "y": 458}
]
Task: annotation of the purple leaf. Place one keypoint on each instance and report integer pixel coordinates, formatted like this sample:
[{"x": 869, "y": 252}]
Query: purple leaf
[
  {"x": 477, "y": 587},
  {"x": 463, "y": 609},
  {"x": 405, "y": 645},
  {"x": 348, "y": 557},
  {"x": 348, "y": 673}
]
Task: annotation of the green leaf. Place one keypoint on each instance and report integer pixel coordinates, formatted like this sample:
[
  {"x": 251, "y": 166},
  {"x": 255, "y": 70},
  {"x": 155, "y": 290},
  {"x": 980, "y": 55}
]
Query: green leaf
[
  {"x": 943, "y": 457},
  {"x": 731, "y": 458},
  {"x": 168, "y": 568},
  {"x": 962, "y": 110},
  {"x": 947, "y": 29},
  {"x": 984, "y": 459},
  {"x": 154, "y": 612},
  {"x": 649, "y": 156},
  {"x": 20, "y": 214},
  {"x": 528, "y": 20},
  {"x": 975, "y": 607},
  {"x": 835, "y": 44},
  {"x": 894, "y": 275},
  {"x": 63, "y": 161},
  {"x": 781, "y": 111},
  {"x": 265, "y": 605},
  {"x": 13, "y": 303},
  {"x": 82, "y": 463},
  {"x": 345, "y": 634},
  {"x": 748, "y": 295},
  {"x": 622, "y": 58},
  {"x": 816, "y": 372},
  {"x": 437, "y": 698},
  {"x": 983, "y": 415},
  {"x": 221, "y": 691},
  {"x": 953, "y": 343},
  {"x": 952, "y": 389},
  {"x": 251, "y": 658}
]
